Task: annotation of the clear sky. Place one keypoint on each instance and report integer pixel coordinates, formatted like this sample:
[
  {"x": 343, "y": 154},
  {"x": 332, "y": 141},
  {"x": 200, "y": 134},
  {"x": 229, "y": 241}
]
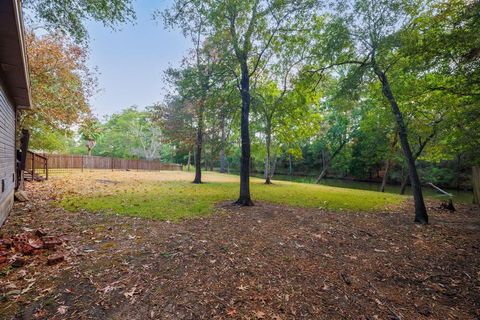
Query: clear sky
[{"x": 131, "y": 60}]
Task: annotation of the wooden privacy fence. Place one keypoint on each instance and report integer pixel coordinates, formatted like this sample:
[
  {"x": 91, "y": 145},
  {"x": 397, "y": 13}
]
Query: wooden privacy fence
[
  {"x": 61, "y": 162},
  {"x": 476, "y": 184}
]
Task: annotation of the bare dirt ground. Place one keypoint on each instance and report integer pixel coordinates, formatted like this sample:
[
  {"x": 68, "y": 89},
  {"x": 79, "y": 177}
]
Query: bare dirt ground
[{"x": 262, "y": 262}]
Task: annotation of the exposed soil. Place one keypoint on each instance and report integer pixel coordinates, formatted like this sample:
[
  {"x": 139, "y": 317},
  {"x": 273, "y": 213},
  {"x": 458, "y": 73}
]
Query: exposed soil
[{"x": 261, "y": 262}]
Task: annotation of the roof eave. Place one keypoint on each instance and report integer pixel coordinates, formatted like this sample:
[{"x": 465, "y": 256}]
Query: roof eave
[{"x": 13, "y": 56}]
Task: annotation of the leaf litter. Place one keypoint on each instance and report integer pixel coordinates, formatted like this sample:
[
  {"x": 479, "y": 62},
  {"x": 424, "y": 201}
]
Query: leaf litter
[{"x": 293, "y": 264}]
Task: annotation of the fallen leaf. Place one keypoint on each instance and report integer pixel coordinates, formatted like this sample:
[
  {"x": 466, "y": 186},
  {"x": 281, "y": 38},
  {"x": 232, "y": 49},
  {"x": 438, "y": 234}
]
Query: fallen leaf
[
  {"x": 35, "y": 243},
  {"x": 232, "y": 312},
  {"x": 62, "y": 309},
  {"x": 130, "y": 293}
]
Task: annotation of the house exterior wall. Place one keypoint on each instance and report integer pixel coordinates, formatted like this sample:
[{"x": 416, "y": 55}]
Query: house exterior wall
[{"x": 7, "y": 155}]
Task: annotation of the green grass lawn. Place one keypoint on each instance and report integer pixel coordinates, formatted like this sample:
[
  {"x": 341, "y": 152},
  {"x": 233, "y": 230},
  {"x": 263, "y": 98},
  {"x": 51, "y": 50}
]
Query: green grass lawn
[
  {"x": 171, "y": 196},
  {"x": 461, "y": 196}
]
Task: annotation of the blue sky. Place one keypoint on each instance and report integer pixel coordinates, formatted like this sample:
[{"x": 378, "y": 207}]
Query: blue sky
[{"x": 131, "y": 60}]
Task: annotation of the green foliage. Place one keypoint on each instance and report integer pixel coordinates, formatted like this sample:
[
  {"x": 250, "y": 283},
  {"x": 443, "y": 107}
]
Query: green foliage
[
  {"x": 132, "y": 134},
  {"x": 440, "y": 176},
  {"x": 69, "y": 16},
  {"x": 43, "y": 138},
  {"x": 90, "y": 129}
]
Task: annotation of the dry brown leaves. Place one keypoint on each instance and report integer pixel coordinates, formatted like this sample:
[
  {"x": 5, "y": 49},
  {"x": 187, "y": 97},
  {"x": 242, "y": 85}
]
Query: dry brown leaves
[{"x": 262, "y": 262}]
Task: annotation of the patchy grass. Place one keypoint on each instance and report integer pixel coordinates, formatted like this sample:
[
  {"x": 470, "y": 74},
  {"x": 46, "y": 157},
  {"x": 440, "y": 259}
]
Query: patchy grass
[{"x": 171, "y": 195}]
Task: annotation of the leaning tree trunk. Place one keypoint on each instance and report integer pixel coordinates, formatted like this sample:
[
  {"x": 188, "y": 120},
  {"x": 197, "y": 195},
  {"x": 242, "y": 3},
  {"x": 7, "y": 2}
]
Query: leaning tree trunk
[
  {"x": 322, "y": 174},
  {"x": 327, "y": 161},
  {"x": 385, "y": 176},
  {"x": 421, "y": 215},
  {"x": 403, "y": 186},
  {"x": 198, "y": 153},
  {"x": 189, "y": 159},
  {"x": 245, "y": 198},
  {"x": 324, "y": 167}
]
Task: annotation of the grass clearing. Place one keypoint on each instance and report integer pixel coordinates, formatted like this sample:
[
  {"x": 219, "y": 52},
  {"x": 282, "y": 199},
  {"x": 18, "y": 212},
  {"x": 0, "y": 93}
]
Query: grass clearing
[{"x": 172, "y": 196}]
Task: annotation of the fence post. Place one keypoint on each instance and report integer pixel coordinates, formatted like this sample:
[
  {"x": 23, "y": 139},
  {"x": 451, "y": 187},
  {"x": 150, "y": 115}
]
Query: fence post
[
  {"x": 111, "y": 162},
  {"x": 82, "y": 162},
  {"x": 46, "y": 168},
  {"x": 476, "y": 184}
]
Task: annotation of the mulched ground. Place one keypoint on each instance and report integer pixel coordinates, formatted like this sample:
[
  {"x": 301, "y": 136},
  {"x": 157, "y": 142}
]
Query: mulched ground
[{"x": 262, "y": 262}]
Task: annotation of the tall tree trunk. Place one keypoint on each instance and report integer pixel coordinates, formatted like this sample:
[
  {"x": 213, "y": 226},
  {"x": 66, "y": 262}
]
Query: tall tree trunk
[
  {"x": 273, "y": 166},
  {"x": 385, "y": 176},
  {"x": 267, "y": 158},
  {"x": 265, "y": 169},
  {"x": 245, "y": 198},
  {"x": 198, "y": 153},
  {"x": 290, "y": 169},
  {"x": 222, "y": 147},
  {"x": 222, "y": 161},
  {"x": 211, "y": 157},
  {"x": 205, "y": 160},
  {"x": 421, "y": 215},
  {"x": 194, "y": 157},
  {"x": 189, "y": 159}
]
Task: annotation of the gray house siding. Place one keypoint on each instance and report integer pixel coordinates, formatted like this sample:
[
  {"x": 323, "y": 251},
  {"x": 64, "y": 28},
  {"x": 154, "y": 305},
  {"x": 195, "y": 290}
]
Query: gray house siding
[{"x": 7, "y": 155}]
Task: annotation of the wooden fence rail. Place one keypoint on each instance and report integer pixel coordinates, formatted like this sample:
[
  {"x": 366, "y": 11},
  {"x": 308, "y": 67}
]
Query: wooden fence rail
[
  {"x": 61, "y": 162},
  {"x": 35, "y": 166}
]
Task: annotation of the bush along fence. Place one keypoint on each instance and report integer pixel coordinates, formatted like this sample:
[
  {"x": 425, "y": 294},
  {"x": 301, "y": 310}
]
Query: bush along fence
[{"x": 39, "y": 167}]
